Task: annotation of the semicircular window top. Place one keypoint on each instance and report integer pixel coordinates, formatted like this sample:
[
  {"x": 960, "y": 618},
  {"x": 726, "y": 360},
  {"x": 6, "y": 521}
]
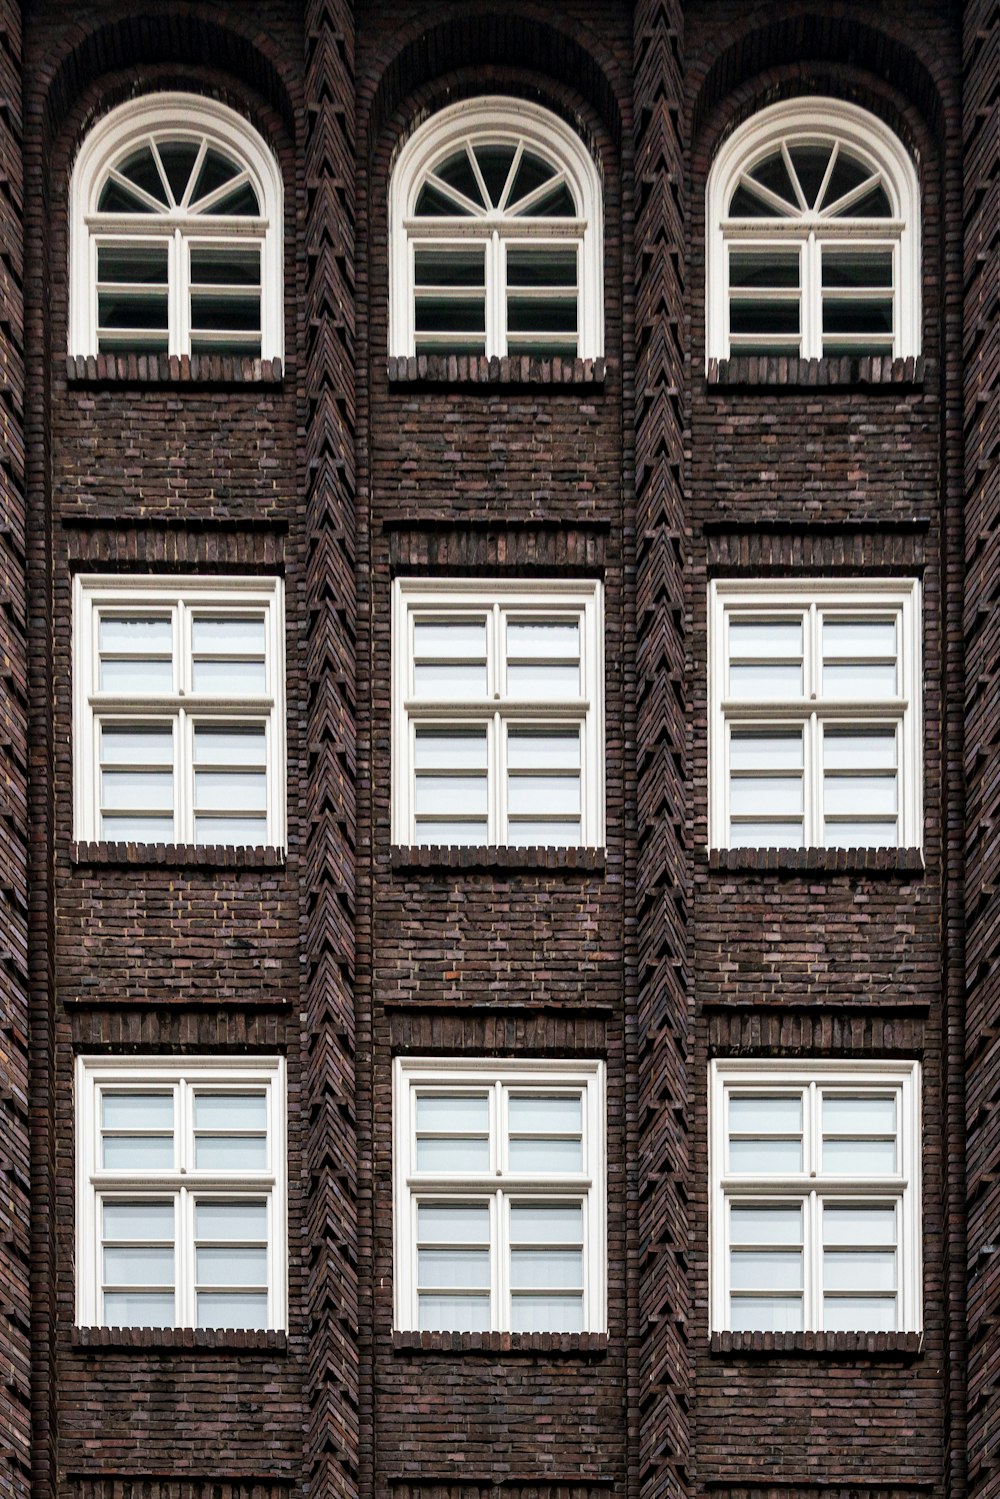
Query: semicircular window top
[
  {"x": 496, "y": 236},
  {"x": 176, "y": 233},
  {"x": 813, "y": 237}
]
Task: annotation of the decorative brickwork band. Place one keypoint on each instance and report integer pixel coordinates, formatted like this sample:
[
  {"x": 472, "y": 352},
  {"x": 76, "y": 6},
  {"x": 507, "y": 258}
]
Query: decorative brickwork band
[
  {"x": 659, "y": 292},
  {"x": 328, "y": 880}
]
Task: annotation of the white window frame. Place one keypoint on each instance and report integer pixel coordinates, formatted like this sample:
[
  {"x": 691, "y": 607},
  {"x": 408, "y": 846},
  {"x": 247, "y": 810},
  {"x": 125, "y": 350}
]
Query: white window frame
[
  {"x": 184, "y": 116},
  {"x": 410, "y": 1187},
  {"x": 547, "y": 598},
  {"x": 185, "y": 1183},
  {"x": 811, "y": 121},
  {"x": 496, "y": 119},
  {"x": 811, "y": 1187},
  {"x": 854, "y": 597},
  {"x": 153, "y": 593}
]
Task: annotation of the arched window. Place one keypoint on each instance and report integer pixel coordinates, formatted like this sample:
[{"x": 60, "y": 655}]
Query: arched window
[
  {"x": 496, "y": 236},
  {"x": 813, "y": 232},
  {"x": 176, "y": 207}
]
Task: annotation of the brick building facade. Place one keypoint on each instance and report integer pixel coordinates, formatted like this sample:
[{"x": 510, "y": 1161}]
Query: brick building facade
[{"x": 342, "y": 468}]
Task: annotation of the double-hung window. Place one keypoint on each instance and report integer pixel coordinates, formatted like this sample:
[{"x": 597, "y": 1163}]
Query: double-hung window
[
  {"x": 179, "y": 710},
  {"x": 815, "y": 1196},
  {"x": 815, "y": 734},
  {"x": 181, "y": 1192},
  {"x": 499, "y": 1171},
  {"x": 498, "y": 719}
]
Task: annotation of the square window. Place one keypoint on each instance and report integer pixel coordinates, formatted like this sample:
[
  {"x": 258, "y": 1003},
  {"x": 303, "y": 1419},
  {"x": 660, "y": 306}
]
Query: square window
[
  {"x": 179, "y": 710},
  {"x": 498, "y": 713},
  {"x": 499, "y": 1172},
  {"x": 181, "y": 1192},
  {"x": 815, "y": 1196},
  {"x": 814, "y": 725}
]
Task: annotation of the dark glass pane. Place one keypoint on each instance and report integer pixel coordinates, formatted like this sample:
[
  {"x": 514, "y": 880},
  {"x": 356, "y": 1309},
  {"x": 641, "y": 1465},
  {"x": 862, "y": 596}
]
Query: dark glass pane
[
  {"x": 746, "y": 205},
  {"x": 115, "y": 199},
  {"x": 764, "y": 317},
  {"x": 857, "y": 317},
  {"x": 457, "y": 172},
  {"x": 208, "y": 311},
  {"x": 538, "y": 348},
  {"x": 555, "y": 205},
  {"x": 537, "y": 316},
  {"x": 225, "y": 267},
  {"x": 447, "y": 315},
  {"x": 495, "y": 163},
  {"x": 848, "y": 173},
  {"x": 874, "y": 205},
  {"x": 245, "y": 348},
  {"x": 773, "y": 173},
  {"x": 854, "y": 350},
  {"x": 810, "y": 163},
  {"x": 120, "y": 310},
  {"x": 178, "y": 158},
  {"x": 141, "y": 263},
  {"x": 857, "y": 267},
  {"x": 449, "y": 268},
  {"x": 241, "y": 200},
  {"x": 215, "y": 170},
  {"x": 541, "y": 267},
  {"x": 433, "y": 204},
  {"x": 766, "y": 268},
  {"x": 141, "y": 169},
  {"x": 133, "y": 343},
  {"x": 532, "y": 171}
]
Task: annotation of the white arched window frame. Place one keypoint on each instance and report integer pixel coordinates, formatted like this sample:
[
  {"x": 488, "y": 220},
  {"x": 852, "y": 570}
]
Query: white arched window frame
[
  {"x": 812, "y": 230},
  {"x": 184, "y": 230},
  {"x": 496, "y": 121}
]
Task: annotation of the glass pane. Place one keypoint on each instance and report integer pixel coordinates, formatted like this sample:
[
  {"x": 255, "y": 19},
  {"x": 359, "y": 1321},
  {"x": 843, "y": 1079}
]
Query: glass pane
[
  {"x": 764, "y": 796},
  {"x": 536, "y": 1269},
  {"x": 532, "y": 171},
  {"x": 139, "y": 1266},
  {"x": 142, "y": 635},
  {"x": 453, "y": 1313},
  {"x": 454, "y": 1153},
  {"x": 771, "y": 1115},
  {"x": 547, "y": 641},
  {"x": 138, "y": 1220},
  {"x": 453, "y": 1223},
  {"x": 530, "y": 1114},
  {"x": 755, "y": 1270},
  {"x": 460, "y": 834},
  {"x": 849, "y": 1114},
  {"x": 230, "y": 1220},
  {"x": 746, "y": 204},
  {"x": 134, "y": 263},
  {"x": 457, "y": 171},
  {"x": 765, "y": 269},
  {"x": 215, "y": 170},
  {"x": 235, "y": 1309},
  {"x": 845, "y": 315},
  {"x": 231, "y": 1266},
  {"x": 432, "y": 203},
  {"x": 859, "y": 1225},
  {"x": 851, "y": 750},
  {"x": 230, "y": 746},
  {"x": 765, "y": 1225},
  {"x": 242, "y": 200},
  {"x": 495, "y": 163},
  {"x": 545, "y": 1155},
  {"x": 767, "y": 638},
  {"x": 848, "y": 173},
  {"x": 856, "y": 796},
  {"x": 767, "y": 682},
  {"x": 859, "y": 1157},
  {"x": 527, "y": 750},
  {"x": 541, "y": 266},
  {"x": 228, "y": 636},
  {"x": 862, "y": 268},
  {"x": 765, "y": 835},
  {"x": 763, "y": 316},
  {"x": 541, "y": 315},
  {"x": 449, "y": 268},
  {"x": 530, "y": 834},
  {"x": 541, "y": 683},
  {"x": 859, "y": 1272},
  {"x": 546, "y": 1223},
  {"x": 773, "y": 174},
  {"x": 229, "y": 678},
  {"x": 178, "y": 159},
  {"x": 127, "y": 745},
  {"x": 874, "y": 205},
  {"x": 132, "y": 309},
  {"x": 810, "y": 163},
  {"x": 461, "y": 640},
  {"x": 225, "y": 267},
  {"x": 856, "y": 639},
  {"x": 233, "y": 791},
  {"x": 447, "y": 314},
  {"x": 546, "y": 1313},
  {"x": 434, "y": 679},
  {"x": 211, "y": 311},
  {"x": 454, "y": 1269},
  {"x": 535, "y": 795},
  {"x": 555, "y": 204},
  {"x": 138, "y": 1152},
  {"x": 139, "y": 167},
  {"x": 230, "y": 1152},
  {"x": 772, "y": 1156},
  {"x": 137, "y": 1111},
  {"x": 859, "y": 1314},
  {"x": 149, "y": 789},
  {"x": 138, "y": 1309},
  {"x": 436, "y": 750},
  {"x": 116, "y": 199},
  {"x": 867, "y": 682},
  {"x": 136, "y": 676},
  {"x": 442, "y": 794},
  {"x": 132, "y": 829},
  {"x": 458, "y": 1114},
  {"x": 230, "y": 1111},
  {"x": 752, "y": 750},
  {"x": 229, "y": 831},
  {"x": 765, "y": 1313}
]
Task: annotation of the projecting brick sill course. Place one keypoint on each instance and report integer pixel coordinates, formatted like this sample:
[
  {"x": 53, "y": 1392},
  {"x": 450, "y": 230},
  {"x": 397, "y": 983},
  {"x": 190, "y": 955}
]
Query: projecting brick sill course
[
  {"x": 465, "y": 369},
  {"x": 545, "y": 1344},
  {"x": 172, "y": 369},
  {"x": 180, "y": 1339},
  {"x": 815, "y": 1344},
  {"x": 794, "y": 861},
  {"x": 564, "y": 860},
  {"x": 845, "y": 373},
  {"x": 177, "y": 855}
]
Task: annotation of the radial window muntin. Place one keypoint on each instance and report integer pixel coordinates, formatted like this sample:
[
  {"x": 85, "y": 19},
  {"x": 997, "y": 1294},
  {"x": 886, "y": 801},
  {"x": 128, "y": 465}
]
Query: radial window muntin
[
  {"x": 536, "y": 284},
  {"x": 813, "y": 271},
  {"x": 176, "y": 233}
]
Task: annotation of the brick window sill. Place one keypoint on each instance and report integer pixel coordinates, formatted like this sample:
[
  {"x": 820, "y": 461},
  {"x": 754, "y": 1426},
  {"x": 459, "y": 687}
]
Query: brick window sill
[
  {"x": 176, "y": 856},
  {"x": 842, "y": 374},
  {"x": 584, "y": 861},
  {"x": 180, "y": 1339},
  {"x": 466, "y": 370},
  {"x": 173, "y": 369},
  {"x": 847, "y": 1345},
  {"x": 489, "y": 1344},
  {"x": 796, "y": 861}
]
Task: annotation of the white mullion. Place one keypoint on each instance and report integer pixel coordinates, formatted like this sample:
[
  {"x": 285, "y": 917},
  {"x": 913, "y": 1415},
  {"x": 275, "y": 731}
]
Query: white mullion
[
  {"x": 813, "y": 1268},
  {"x": 812, "y": 298},
  {"x": 500, "y": 1316},
  {"x": 184, "y": 1259},
  {"x": 498, "y": 295}
]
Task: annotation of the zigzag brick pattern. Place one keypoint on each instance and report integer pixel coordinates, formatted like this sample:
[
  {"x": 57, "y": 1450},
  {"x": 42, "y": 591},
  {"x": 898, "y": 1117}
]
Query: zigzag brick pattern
[
  {"x": 332, "y": 1441},
  {"x": 662, "y": 1016}
]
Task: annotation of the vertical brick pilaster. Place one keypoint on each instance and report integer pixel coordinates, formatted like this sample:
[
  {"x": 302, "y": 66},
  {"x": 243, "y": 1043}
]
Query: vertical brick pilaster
[
  {"x": 328, "y": 894},
  {"x": 981, "y": 144},
  {"x": 661, "y": 874}
]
